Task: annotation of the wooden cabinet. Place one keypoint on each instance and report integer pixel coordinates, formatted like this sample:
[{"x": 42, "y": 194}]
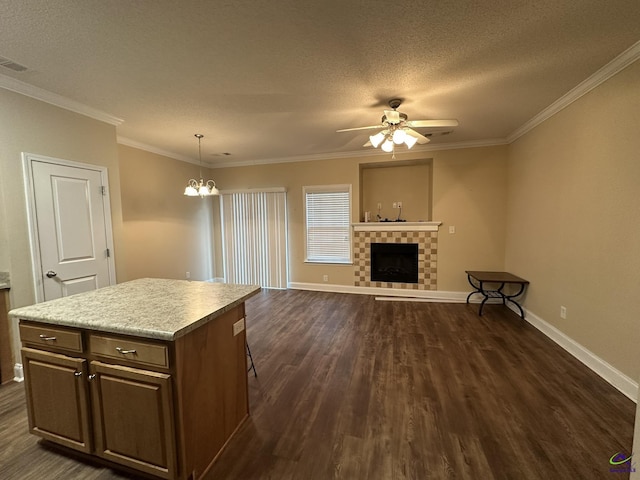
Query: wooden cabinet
[
  {"x": 133, "y": 418},
  {"x": 163, "y": 408},
  {"x": 57, "y": 398},
  {"x": 119, "y": 413}
]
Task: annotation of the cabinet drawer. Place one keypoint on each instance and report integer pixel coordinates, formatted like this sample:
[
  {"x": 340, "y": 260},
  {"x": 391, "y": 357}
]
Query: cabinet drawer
[
  {"x": 44, "y": 336},
  {"x": 136, "y": 351}
]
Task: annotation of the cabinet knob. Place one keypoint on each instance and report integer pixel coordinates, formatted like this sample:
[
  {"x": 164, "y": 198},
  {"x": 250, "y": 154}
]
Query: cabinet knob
[
  {"x": 92, "y": 376},
  {"x": 78, "y": 374}
]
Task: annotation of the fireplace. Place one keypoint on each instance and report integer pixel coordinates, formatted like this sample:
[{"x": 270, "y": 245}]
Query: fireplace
[
  {"x": 424, "y": 234},
  {"x": 394, "y": 262}
]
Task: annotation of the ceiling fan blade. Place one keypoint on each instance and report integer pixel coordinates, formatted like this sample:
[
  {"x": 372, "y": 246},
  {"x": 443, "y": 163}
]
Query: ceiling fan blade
[
  {"x": 432, "y": 123},
  {"x": 393, "y": 116},
  {"x": 421, "y": 138},
  {"x": 359, "y": 128}
]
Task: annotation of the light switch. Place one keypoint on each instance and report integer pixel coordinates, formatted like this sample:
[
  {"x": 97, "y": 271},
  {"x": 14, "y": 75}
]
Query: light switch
[{"x": 452, "y": 229}]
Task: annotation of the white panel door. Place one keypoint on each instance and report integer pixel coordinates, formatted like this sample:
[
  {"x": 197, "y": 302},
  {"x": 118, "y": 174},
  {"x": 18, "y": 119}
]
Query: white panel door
[{"x": 71, "y": 229}]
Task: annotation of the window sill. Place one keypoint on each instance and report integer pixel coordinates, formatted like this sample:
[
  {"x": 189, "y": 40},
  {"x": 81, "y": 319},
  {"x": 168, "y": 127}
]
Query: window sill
[{"x": 327, "y": 262}]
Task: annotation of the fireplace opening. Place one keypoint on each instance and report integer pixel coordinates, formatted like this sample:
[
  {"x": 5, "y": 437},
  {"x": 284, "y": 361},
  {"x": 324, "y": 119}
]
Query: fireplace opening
[{"x": 394, "y": 262}]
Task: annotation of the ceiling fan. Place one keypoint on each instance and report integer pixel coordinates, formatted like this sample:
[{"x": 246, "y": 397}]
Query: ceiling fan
[{"x": 397, "y": 129}]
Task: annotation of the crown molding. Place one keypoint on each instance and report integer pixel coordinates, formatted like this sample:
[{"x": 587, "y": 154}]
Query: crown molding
[
  {"x": 619, "y": 63},
  {"x": 150, "y": 148},
  {"x": 9, "y": 83}
]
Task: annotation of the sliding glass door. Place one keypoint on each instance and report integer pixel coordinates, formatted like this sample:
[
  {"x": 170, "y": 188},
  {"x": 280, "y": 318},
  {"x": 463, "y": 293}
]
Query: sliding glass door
[{"x": 254, "y": 237}]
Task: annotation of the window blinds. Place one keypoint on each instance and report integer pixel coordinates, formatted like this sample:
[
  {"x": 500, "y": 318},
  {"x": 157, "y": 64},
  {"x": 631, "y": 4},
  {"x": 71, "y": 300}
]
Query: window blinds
[
  {"x": 254, "y": 229},
  {"x": 328, "y": 226}
]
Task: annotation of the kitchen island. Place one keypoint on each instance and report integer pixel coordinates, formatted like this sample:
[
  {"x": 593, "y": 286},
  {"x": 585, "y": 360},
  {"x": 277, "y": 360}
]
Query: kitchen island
[{"x": 150, "y": 374}]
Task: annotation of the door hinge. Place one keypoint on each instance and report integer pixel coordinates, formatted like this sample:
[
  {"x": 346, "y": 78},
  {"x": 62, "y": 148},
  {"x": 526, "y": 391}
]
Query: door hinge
[
  {"x": 103, "y": 190},
  {"x": 108, "y": 253}
]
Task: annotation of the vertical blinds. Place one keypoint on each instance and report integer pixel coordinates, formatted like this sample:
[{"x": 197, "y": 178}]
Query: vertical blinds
[
  {"x": 254, "y": 229},
  {"x": 328, "y": 226}
]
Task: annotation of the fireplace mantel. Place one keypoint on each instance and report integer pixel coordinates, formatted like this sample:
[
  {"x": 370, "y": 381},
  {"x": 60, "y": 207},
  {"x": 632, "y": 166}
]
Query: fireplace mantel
[{"x": 396, "y": 226}]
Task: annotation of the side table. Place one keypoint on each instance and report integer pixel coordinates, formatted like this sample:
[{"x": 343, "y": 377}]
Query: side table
[{"x": 479, "y": 279}]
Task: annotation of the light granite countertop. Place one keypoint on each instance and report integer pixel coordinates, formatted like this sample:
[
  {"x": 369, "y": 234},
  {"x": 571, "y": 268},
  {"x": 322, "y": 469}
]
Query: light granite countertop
[{"x": 149, "y": 307}]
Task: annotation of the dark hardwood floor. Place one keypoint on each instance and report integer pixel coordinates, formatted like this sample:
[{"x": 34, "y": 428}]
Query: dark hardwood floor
[{"x": 353, "y": 388}]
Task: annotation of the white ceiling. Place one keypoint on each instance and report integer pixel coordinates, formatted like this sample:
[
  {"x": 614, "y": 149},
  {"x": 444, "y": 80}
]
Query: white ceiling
[{"x": 275, "y": 79}]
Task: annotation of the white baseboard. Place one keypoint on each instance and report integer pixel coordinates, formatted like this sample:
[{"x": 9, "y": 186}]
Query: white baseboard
[
  {"x": 612, "y": 375},
  {"x": 18, "y": 373},
  {"x": 615, "y": 377}
]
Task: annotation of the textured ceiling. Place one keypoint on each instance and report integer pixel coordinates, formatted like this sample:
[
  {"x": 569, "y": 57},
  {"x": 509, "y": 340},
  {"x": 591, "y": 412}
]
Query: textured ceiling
[{"x": 275, "y": 79}]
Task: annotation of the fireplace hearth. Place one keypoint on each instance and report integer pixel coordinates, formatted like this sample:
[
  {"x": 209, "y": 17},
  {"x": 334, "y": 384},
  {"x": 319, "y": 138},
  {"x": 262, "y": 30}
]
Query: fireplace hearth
[{"x": 394, "y": 262}]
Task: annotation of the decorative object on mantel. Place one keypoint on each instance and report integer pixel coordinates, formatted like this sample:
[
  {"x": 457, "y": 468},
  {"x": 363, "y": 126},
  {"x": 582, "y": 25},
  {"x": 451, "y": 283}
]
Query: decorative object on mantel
[
  {"x": 396, "y": 129},
  {"x": 201, "y": 189}
]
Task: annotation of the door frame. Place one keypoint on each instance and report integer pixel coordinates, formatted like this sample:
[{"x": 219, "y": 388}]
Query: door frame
[{"x": 28, "y": 159}]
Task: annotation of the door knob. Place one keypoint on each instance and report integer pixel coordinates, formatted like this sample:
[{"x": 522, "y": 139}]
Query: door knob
[{"x": 51, "y": 274}]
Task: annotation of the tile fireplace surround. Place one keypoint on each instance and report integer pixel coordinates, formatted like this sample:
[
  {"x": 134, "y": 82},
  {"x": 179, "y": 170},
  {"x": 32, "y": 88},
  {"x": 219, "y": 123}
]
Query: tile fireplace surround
[{"x": 425, "y": 234}]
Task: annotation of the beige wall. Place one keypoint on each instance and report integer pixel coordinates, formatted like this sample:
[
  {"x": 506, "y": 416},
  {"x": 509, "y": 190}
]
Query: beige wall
[
  {"x": 470, "y": 194},
  {"x": 469, "y": 191},
  {"x": 28, "y": 125},
  {"x": 573, "y": 223},
  {"x": 165, "y": 233}
]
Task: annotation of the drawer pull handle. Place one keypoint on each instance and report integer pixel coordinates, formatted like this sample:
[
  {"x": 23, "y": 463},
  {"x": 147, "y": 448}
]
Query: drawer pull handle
[
  {"x": 46, "y": 338},
  {"x": 125, "y": 352}
]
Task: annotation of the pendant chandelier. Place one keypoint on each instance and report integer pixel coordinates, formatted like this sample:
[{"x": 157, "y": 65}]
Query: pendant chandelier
[{"x": 200, "y": 189}]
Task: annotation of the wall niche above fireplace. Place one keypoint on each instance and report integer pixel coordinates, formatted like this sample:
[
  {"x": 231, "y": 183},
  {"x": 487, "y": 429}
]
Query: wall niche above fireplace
[{"x": 386, "y": 183}]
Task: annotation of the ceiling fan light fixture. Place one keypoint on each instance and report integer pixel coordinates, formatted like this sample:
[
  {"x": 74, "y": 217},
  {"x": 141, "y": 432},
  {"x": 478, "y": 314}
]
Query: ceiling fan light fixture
[
  {"x": 376, "y": 139},
  {"x": 398, "y": 136},
  {"x": 410, "y": 141},
  {"x": 397, "y": 129}
]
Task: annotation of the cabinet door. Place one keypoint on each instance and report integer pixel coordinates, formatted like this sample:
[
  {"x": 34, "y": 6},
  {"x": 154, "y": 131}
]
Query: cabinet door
[
  {"x": 133, "y": 418},
  {"x": 57, "y": 398}
]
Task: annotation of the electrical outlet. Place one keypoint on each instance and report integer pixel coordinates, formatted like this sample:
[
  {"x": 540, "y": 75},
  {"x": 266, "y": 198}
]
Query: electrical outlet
[
  {"x": 394, "y": 205},
  {"x": 399, "y": 204},
  {"x": 238, "y": 327},
  {"x": 325, "y": 278},
  {"x": 563, "y": 312},
  {"x": 187, "y": 275}
]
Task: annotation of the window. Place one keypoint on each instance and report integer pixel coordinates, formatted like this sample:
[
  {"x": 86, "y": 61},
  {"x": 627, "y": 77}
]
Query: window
[{"x": 328, "y": 223}]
